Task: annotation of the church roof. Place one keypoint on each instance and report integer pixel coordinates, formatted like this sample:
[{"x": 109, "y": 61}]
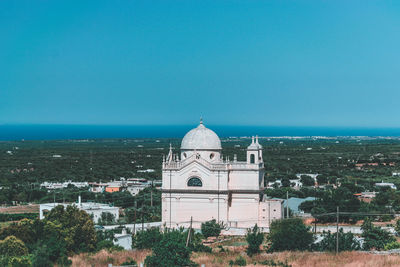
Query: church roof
[{"x": 201, "y": 138}]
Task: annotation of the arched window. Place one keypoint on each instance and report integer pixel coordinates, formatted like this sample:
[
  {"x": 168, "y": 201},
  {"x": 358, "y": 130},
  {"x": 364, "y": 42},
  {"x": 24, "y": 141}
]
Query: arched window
[
  {"x": 195, "y": 181},
  {"x": 252, "y": 158}
]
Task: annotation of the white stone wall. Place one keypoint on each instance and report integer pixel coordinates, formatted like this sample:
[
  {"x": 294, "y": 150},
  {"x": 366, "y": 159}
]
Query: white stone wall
[
  {"x": 209, "y": 178},
  {"x": 269, "y": 211},
  {"x": 243, "y": 211},
  {"x": 201, "y": 207}
]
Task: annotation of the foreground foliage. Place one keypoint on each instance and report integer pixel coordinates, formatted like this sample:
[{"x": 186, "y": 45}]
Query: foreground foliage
[
  {"x": 254, "y": 238},
  {"x": 375, "y": 237},
  {"x": 63, "y": 232},
  {"x": 347, "y": 242},
  {"x": 170, "y": 251},
  {"x": 289, "y": 234},
  {"x": 211, "y": 228}
]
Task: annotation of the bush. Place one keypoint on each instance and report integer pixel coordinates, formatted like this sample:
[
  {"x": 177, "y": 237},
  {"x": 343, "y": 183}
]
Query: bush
[
  {"x": 289, "y": 234},
  {"x": 240, "y": 261},
  {"x": 147, "y": 239},
  {"x": 375, "y": 237},
  {"x": 347, "y": 242},
  {"x": 392, "y": 245},
  {"x": 23, "y": 261},
  {"x": 130, "y": 262},
  {"x": 211, "y": 228},
  {"x": 170, "y": 251},
  {"x": 254, "y": 238},
  {"x": 397, "y": 228},
  {"x": 271, "y": 262},
  {"x": 107, "y": 218},
  {"x": 12, "y": 246}
]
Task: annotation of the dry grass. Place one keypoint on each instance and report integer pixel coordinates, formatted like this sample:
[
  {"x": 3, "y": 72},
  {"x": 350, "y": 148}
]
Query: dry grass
[
  {"x": 104, "y": 257},
  {"x": 296, "y": 259},
  {"x": 300, "y": 259},
  {"x": 32, "y": 208}
]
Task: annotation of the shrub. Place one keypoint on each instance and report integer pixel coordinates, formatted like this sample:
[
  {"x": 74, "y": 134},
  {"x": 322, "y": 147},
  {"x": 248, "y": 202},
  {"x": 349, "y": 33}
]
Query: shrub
[
  {"x": 130, "y": 261},
  {"x": 23, "y": 261},
  {"x": 254, "y": 238},
  {"x": 271, "y": 262},
  {"x": 211, "y": 228},
  {"x": 397, "y": 228},
  {"x": 289, "y": 234},
  {"x": 107, "y": 218},
  {"x": 392, "y": 245},
  {"x": 170, "y": 251},
  {"x": 12, "y": 246},
  {"x": 147, "y": 239},
  {"x": 240, "y": 261},
  {"x": 375, "y": 237},
  {"x": 347, "y": 242}
]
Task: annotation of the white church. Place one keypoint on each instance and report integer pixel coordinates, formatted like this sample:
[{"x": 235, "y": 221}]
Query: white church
[{"x": 200, "y": 185}]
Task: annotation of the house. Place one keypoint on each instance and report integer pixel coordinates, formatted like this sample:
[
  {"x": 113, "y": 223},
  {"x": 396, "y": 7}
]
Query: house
[
  {"x": 382, "y": 184},
  {"x": 93, "y": 209},
  {"x": 124, "y": 240}
]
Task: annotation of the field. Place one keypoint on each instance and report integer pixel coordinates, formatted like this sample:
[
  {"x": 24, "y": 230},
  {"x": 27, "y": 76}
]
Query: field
[
  {"x": 31, "y": 208},
  {"x": 295, "y": 259}
]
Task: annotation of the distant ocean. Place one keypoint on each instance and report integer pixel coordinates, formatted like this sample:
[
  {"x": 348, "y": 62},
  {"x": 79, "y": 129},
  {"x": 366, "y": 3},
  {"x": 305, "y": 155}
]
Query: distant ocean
[{"x": 57, "y": 132}]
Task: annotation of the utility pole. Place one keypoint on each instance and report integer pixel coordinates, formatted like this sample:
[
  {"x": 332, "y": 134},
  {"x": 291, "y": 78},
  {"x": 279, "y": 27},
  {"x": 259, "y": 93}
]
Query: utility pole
[
  {"x": 189, "y": 232},
  {"x": 287, "y": 204},
  {"x": 337, "y": 229},
  {"x": 315, "y": 225},
  {"x": 142, "y": 221},
  {"x": 134, "y": 222},
  {"x": 151, "y": 196}
]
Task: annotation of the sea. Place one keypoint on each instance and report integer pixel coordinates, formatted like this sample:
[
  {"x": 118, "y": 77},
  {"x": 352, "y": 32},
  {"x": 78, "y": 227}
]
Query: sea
[{"x": 10, "y": 132}]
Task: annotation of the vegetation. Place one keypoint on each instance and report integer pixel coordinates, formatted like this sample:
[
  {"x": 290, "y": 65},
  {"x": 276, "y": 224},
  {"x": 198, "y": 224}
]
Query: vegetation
[
  {"x": 147, "y": 239},
  {"x": 61, "y": 233},
  {"x": 239, "y": 261},
  {"x": 254, "y": 238},
  {"x": 211, "y": 228},
  {"x": 170, "y": 251},
  {"x": 347, "y": 242},
  {"x": 375, "y": 237},
  {"x": 289, "y": 234}
]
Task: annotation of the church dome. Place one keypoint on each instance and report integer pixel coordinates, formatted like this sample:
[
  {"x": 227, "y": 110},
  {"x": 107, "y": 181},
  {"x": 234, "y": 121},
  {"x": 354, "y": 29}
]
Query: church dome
[{"x": 201, "y": 138}]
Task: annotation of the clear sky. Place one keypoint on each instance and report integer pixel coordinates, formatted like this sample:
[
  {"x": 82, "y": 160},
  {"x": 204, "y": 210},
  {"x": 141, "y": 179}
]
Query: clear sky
[{"x": 291, "y": 63}]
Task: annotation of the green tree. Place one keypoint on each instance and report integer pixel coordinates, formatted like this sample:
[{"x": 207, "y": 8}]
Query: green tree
[
  {"x": 12, "y": 246},
  {"x": 170, "y": 251},
  {"x": 347, "y": 242},
  {"x": 254, "y": 238},
  {"x": 13, "y": 253},
  {"x": 289, "y": 234},
  {"x": 307, "y": 180},
  {"x": 211, "y": 228},
  {"x": 76, "y": 226},
  {"x": 147, "y": 239},
  {"x": 375, "y": 237},
  {"x": 397, "y": 227},
  {"x": 106, "y": 218},
  {"x": 322, "y": 179},
  {"x": 285, "y": 182}
]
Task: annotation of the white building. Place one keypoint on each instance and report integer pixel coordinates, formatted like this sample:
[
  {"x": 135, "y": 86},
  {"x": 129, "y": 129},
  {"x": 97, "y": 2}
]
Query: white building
[
  {"x": 391, "y": 185},
  {"x": 124, "y": 240},
  {"x": 94, "y": 209},
  {"x": 202, "y": 185},
  {"x": 51, "y": 185}
]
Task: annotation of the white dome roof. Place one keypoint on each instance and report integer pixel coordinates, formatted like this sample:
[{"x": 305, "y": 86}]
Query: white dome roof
[{"x": 201, "y": 138}]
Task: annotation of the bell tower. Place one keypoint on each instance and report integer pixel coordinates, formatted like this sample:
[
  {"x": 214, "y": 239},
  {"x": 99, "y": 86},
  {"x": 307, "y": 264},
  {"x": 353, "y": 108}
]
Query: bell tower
[{"x": 254, "y": 152}]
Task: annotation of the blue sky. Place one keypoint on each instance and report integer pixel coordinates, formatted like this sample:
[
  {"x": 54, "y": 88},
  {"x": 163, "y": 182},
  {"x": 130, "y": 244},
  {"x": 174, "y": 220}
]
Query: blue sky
[{"x": 291, "y": 63}]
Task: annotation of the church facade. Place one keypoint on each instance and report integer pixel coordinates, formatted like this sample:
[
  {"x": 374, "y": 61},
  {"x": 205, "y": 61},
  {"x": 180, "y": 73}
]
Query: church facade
[{"x": 199, "y": 185}]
